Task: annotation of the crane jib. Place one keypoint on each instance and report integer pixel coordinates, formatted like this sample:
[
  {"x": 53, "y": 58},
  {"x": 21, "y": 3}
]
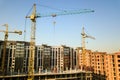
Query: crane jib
[{"x": 54, "y": 14}]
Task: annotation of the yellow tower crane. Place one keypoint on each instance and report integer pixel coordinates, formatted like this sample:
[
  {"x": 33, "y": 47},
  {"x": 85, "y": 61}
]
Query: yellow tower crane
[
  {"x": 33, "y": 17},
  {"x": 5, "y": 44},
  {"x": 84, "y": 35}
]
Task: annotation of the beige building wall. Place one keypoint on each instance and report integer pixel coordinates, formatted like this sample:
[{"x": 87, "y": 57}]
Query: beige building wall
[
  {"x": 99, "y": 62},
  {"x": 106, "y": 64},
  {"x": 109, "y": 66},
  {"x": 88, "y": 59},
  {"x": 117, "y": 66}
]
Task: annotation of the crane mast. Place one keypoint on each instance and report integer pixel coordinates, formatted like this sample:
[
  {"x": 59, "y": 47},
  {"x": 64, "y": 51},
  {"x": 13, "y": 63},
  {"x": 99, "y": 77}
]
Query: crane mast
[
  {"x": 84, "y": 35},
  {"x": 33, "y": 17},
  {"x": 5, "y": 44},
  {"x": 4, "y": 49},
  {"x": 32, "y": 44}
]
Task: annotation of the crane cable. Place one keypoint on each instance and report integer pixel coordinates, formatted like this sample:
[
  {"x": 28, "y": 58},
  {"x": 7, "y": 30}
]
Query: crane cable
[
  {"x": 51, "y": 7},
  {"x": 54, "y": 21}
]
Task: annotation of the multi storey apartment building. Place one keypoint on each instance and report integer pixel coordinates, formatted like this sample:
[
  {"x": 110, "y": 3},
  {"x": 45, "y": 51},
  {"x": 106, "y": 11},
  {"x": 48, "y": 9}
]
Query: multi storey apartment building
[
  {"x": 88, "y": 59},
  {"x": 116, "y": 66},
  {"x": 15, "y": 55},
  {"x": 6, "y": 56},
  {"x": 57, "y": 58},
  {"x": 49, "y": 58},
  {"x": 65, "y": 57},
  {"x": 60, "y": 58},
  {"x": 107, "y": 66},
  {"x": 99, "y": 63},
  {"x": 43, "y": 57}
]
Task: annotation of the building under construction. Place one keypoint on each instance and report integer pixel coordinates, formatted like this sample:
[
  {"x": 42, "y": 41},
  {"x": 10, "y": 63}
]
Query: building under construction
[
  {"x": 26, "y": 60},
  {"x": 101, "y": 63},
  {"x": 49, "y": 58},
  {"x": 58, "y": 59}
]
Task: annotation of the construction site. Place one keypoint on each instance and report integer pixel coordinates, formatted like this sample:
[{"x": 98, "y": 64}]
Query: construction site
[{"x": 26, "y": 60}]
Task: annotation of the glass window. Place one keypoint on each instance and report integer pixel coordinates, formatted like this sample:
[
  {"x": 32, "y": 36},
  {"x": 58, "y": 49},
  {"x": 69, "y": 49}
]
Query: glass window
[
  {"x": 118, "y": 65},
  {"x": 113, "y": 65},
  {"x": 88, "y": 78},
  {"x": 118, "y": 60},
  {"x": 118, "y": 56},
  {"x": 114, "y": 75},
  {"x": 114, "y": 78}
]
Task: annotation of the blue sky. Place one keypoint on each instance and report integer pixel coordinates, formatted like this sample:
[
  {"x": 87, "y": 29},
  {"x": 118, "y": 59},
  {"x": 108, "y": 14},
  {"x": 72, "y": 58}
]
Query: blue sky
[{"x": 103, "y": 24}]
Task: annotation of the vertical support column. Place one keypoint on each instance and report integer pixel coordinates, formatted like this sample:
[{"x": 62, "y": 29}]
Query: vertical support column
[
  {"x": 4, "y": 50},
  {"x": 32, "y": 45}
]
